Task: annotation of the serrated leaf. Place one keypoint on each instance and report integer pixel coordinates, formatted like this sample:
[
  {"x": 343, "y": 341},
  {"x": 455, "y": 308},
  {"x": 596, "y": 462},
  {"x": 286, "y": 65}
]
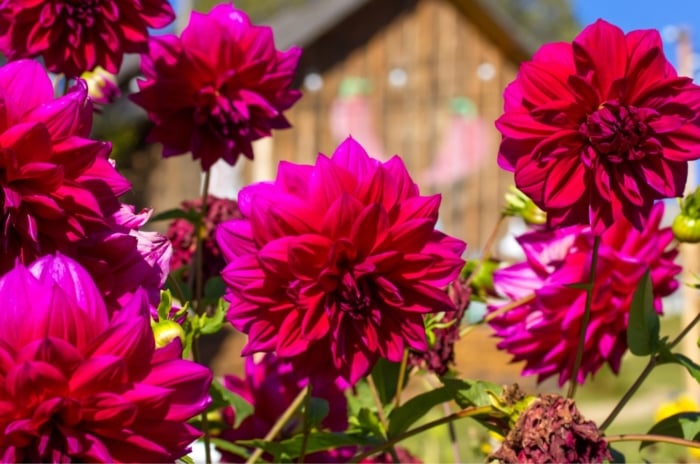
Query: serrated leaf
[
  {"x": 684, "y": 425},
  {"x": 386, "y": 375},
  {"x": 222, "y": 397},
  {"x": 468, "y": 393},
  {"x": 412, "y": 410},
  {"x": 643, "y": 327},
  {"x": 175, "y": 213}
]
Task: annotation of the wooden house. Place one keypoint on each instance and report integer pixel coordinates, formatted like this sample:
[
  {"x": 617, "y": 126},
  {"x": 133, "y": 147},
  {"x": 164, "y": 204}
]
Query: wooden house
[{"x": 419, "y": 78}]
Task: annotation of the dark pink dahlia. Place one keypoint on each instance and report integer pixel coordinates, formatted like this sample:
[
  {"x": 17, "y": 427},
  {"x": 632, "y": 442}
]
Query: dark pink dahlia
[
  {"x": 273, "y": 378},
  {"x": 75, "y": 36},
  {"x": 77, "y": 384},
  {"x": 600, "y": 128},
  {"x": 181, "y": 234},
  {"x": 337, "y": 261},
  {"x": 216, "y": 89},
  {"x": 59, "y": 191},
  {"x": 545, "y": 331}
]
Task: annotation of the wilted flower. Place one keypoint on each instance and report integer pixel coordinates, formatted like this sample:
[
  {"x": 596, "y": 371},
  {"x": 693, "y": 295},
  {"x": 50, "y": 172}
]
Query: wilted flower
[
  {"x": 600, "y": 128},
  {"x": 214, "y": 97},
  {"x": 181, "y": 234},
  {"x": 74, "y": 37},
  {"x": 444, "y": 333},
  {"x": 553, "y": 430},
  {"x": 271, "y": 385},
  {"x": 60, "y": 192},
  {"x": 338, "y": 260},
  {"x": 544, "y": 332},
  {"x": 76, "y": 385}
]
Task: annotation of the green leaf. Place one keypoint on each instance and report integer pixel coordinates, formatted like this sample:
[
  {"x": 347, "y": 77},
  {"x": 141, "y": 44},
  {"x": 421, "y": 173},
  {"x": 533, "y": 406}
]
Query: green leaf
[
  {"x": 222, "y": 396},
  {"x": 318, "y": 410},
  {"x": 412, "y": 410},
  {"x": 214, "y": 288},
  {"x": 386, "y": 376},
  {"x": 368, "y": 421},
  {"x": 643, "y": 327},
  {"x": 468, "y": 393},
  {"x": 617, "y": 457},
  {"x": 678, "y": 358},
  {"x": 176, "y": 213},
  {"x": 684, "y": 425},
  {"x": 317, "y": 441},
  {"x": 229, "y": 447},
  {"x": 212, "y": 324},
  {"x": 186, "y": 459}
]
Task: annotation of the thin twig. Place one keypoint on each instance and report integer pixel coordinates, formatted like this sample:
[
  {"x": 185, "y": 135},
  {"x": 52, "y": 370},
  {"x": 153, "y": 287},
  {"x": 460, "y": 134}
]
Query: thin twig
[
  {"x": 377, "y": 401},
  {"x": 487, "y": 250},
  {"x": 402, "y": 374},
  {"x": 199, "y": 251},
  {"x": 281, "y": 422},
  {"x": 573, "y": 382},
  {"x": 203, "y": 417},
  {"x": 468, "y": 412},
  {"x": 655, "y": 438},
  {"x": 502, "y": 310},
  {"x": 305, "y": 437},
  {"x": 629, "y": 393}
]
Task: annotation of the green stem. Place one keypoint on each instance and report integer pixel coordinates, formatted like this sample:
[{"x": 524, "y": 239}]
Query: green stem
[
  {"x": 377, "y": 401},
  {"x": 179, "y": 294},
  {"x": 453, "y": 434},
  {"x": 305, "y": 438},
  {"x": 469, "y": 412},
  {"x": 573, "y": 382},
  {"x": 402, "y": 374},
  {"x": 487, "y": 250},
  {"x": 281, "y": 422},
  {"x": 654, "y": 438},
  {"x": 205, "y": 420},
  {"x": 199, "y": 252},
  {"x": 653, "y": 361}
]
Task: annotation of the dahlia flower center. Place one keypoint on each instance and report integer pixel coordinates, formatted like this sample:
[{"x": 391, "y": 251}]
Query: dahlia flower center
[
  {"x": 620, "y": 133},
  {"x": 79, "y": 12},
  {"x": 226, "y": 116},
  {"x": 354, "y": 296}
]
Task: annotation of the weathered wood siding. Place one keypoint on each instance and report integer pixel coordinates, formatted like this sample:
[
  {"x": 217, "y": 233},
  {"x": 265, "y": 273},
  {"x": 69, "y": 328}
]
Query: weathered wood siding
[{"x": 440, "y": 49}]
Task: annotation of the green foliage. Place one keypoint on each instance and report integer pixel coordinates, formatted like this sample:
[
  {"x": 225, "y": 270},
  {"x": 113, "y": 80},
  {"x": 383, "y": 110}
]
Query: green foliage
[
  {"x": 617, "y": 457},
  {"x": 684, "y": 425},
  {"x": 643, "y": 328},
  {"x": 190, "y": 215},
  {"x": 414, "y": 409},
  {"x": 289, "y": 449},
  {"x": 222, "y": 397},
  {"x": 472, "y": 393},
  {"x": 386, "y": 378},
  {"x": 666, "y": 356}
]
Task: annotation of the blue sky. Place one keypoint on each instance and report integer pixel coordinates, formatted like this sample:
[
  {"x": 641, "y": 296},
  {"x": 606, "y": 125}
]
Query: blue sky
[{"x": 645, "y": 14}]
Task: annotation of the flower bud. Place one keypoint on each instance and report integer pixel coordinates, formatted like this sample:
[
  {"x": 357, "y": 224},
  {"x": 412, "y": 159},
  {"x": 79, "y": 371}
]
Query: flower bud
[
  {"x": 166, "y": 331},
  {"x": 519, "y": 204},
  {"x": 686, "y": 226}
]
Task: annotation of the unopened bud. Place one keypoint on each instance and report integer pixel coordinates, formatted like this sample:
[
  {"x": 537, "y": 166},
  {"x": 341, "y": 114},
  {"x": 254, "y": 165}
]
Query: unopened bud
[{"x": 166, "y": 331}]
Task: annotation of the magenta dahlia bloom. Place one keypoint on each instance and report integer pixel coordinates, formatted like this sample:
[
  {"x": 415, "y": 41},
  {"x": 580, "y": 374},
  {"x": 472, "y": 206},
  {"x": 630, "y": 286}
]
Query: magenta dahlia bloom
[
  {"x": 214, "y": 97},
  {"x": 77, "y": 385},
  {"x": 60, "y": 192},
  {"x": 545, "y": 331},
  {"x": 600, "y": 128},
  {"x": 76, "y": 36},
  {"x": 271, "y": 377},
  {"x": 339, "y": 260}
]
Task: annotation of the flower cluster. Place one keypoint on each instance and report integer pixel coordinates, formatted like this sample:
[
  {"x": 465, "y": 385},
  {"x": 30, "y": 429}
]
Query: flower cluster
[
  {"x": 544, "y": 331},
  {"x": 77, "y": 383},
  {"x": 598, "y": 129},
  {"x": 338, "y": 259},
  {"x": 75, "y": 37},
  {"x": 214, "y": 97},
  {"x": 60, "y": 191},
  {"x": 182, "y": 236}
]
